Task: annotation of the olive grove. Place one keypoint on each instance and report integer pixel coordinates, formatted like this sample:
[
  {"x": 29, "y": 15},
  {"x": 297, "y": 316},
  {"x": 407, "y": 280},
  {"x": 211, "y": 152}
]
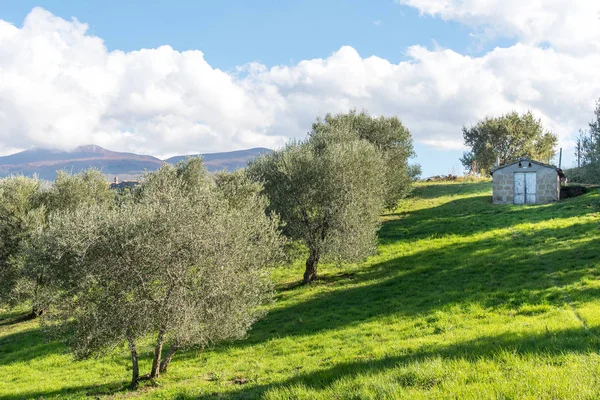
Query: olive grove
[
  {"x": 183, "y": 259},
  {"x": 177, "y": 261}
]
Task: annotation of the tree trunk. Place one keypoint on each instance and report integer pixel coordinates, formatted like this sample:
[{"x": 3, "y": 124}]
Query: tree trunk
[
  {"x": 164, "y": 364},
  {"x": 311, "y": 267},
  {"x": 37, "y": 311},
  {"x": 155, "y": 372},
  {"x": 135, "y": 370}
]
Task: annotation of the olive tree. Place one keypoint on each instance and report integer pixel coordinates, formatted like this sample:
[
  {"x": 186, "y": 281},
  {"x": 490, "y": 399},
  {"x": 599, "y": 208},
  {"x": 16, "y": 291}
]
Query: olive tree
[
  {"x": 68, "y": 191},
  {"x": 390, "y": 137},
  {"x": 329, "y": 192},
  {"x": 507, "y": 138},
  {"x": 25, "y": 204},
  {"x": 21, "y": 214},
  {"x": 178, "y": 261}
]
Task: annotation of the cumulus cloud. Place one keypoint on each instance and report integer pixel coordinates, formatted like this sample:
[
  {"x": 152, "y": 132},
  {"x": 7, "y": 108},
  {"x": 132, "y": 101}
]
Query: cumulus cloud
[
  {"x": 567, "y": 25},
  {"x": 60, "y": 87}
]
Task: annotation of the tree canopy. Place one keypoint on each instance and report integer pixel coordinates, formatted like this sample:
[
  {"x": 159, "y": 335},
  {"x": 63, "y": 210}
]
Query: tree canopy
[
  {"x": 21, "y": 214},
  {"x": 391, "y": 139},
  {"x": 588, "y": 152},
  {"x": 508, "y": 138},
  {"x": 25, "y": 205},
  {"x": 330, "y": 189},
  {"x": 177, "y": 261},
  {"x": 591, "y": 141}
]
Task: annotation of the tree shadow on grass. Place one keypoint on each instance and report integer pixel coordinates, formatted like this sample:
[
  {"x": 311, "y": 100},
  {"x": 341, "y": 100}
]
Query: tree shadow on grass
[
  {"x": 91, "y": 391},
  {"x": 576, "y": 340},
  {"x": 503, "y": 273},
  {"x": 14, "y": 317},
  {"x": 524, "y": 268},
  {"x": 471, "y": 215},
  {"x": 27, "y": 345},
  {"x": 498, "y": 273}
]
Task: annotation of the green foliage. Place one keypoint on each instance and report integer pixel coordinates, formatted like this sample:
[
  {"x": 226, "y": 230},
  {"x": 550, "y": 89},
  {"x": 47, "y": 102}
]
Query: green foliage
[
  {"x": 329, "y": 192},
  {"x": 21, "y": 214},
  {"x": 71, "y": 190},
  {"x": 414, "y": 172},
  {"x": 24, "y": 209},
  {"x": 68, "y": 192},
  {"x": 464, "y": 299},
  {"x": 330, "y": 189},
  {"x": 389, "y": 136},
  {"x": 236, "y": 187},
  {"x": 591, "y": 141},
  {"x": 588, "y": 153},
  {"x": 588, "y": 174},
  {"x": 178, "y": 261},
  {"x": 508, "y": 137}
]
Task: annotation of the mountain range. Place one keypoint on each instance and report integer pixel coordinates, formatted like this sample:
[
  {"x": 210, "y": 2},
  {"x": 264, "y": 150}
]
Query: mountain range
[{"x": 46, "y": 162}]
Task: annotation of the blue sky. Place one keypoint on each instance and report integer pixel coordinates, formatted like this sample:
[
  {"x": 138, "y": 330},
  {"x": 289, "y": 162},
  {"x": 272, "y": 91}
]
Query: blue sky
[
  {"x": 272, "y": 32},
  {"x": 458, "y": 53}
]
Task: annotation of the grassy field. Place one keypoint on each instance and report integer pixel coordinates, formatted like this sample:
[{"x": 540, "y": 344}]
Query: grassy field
[{"x": 464, "y": 300}]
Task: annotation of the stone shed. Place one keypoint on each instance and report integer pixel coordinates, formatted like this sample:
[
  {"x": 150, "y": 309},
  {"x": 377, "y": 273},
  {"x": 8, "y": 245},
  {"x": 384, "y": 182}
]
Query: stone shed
[{"x": 527, "y": 182}]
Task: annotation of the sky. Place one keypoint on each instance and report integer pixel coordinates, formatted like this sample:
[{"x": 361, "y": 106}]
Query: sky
[{"x": 182, "y": 76}]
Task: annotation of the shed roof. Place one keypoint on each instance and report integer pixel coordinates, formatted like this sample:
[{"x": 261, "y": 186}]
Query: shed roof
[{"x": 560, "y": 171}]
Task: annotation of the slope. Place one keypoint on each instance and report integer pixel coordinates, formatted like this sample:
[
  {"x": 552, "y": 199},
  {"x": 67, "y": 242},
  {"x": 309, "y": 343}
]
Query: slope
[{"x": 464, "y": 300}]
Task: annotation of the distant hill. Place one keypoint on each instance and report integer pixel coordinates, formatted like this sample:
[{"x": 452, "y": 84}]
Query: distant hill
[
  {"x": 45, "y": 162},
  {"x": 230, "y": 161}
]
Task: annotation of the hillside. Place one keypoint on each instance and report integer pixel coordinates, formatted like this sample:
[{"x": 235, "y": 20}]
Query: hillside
[
  {"x": 45, "y": 162},
  {"x": 464, "y": 300}
]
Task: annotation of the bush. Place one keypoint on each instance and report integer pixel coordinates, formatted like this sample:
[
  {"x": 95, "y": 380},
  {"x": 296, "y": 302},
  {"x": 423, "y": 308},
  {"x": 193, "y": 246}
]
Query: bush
[{"x": 588, "y": 174}]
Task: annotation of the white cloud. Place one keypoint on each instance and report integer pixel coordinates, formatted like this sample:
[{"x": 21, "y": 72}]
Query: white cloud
[
  {"x": 570, "y": 26},
  {"x": 377, "y": 22},
  {"x": 61, "y": 87}
]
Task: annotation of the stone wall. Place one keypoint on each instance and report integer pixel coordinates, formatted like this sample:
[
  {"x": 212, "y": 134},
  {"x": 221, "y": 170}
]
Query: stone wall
[{"x": 547, "y": 183}]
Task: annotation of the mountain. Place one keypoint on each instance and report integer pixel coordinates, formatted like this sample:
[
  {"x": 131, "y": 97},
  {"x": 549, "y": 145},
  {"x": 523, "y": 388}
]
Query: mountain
[
  {"x": 230, "y": 161},
  {"x": 45, "y": 162}
]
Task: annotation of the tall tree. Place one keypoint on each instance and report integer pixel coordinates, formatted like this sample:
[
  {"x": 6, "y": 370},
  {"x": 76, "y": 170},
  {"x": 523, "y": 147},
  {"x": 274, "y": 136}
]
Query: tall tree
[
  {"x": 508, "y": 138},
  {"x": 329, "y": 192},
  {"x": 390, "y": 137},
  {"x": 590, "y": 142},
  {"x": 178, "y": 261}
]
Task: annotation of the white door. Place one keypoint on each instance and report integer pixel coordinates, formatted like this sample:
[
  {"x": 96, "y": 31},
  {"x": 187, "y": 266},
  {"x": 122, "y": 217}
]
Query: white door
[
  {"x": 519, "y": 188},
  {"x": 530, "y": 188},
  {"x": 525, "y": 188}
]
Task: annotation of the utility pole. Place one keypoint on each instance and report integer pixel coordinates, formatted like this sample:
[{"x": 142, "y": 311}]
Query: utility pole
[{"x": 560, "y": 158}]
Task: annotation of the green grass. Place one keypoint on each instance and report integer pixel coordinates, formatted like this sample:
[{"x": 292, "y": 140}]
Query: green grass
[{"x": 464, "y": 300}]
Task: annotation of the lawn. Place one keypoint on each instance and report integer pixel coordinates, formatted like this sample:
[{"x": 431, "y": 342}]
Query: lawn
[{"x": 464, "y": 300}]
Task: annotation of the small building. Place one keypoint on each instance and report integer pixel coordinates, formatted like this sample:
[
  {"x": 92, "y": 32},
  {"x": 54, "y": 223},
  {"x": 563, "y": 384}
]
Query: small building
[
  {"x": 123, "y": 185},
  {"x": 527, "y": 182}
]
